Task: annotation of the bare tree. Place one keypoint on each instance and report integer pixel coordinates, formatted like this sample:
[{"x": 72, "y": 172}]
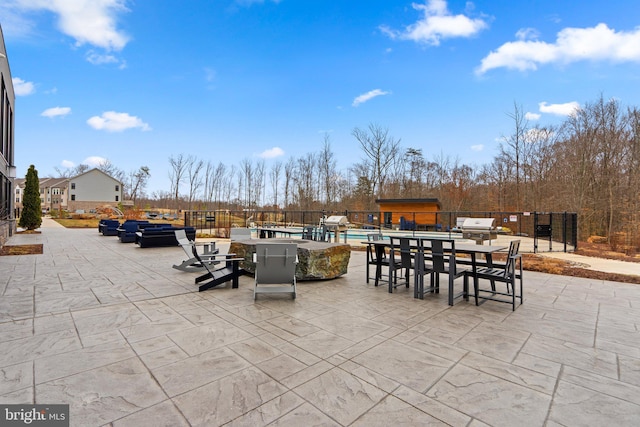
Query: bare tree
[
  {"x": 137, "y": 182},
  {"x": 274, "y": 178},
  {"x": 414, "y": 169},
  {"x": 289, "y": 173},
  {"x": 380, "y": 150},
  {"x": 327, "y": 170},
  {"x": 513, "y": 146},
  {"x": 112, "y": 170},
  {"x": 259, "y": 182},
  {"x": 71, "y": 172},
  {"x": 304, "y": 181},
  {"x": 176, "y": 176},
  {"x": 194, "y": 175},
  {"x": 248, "y": 184}
]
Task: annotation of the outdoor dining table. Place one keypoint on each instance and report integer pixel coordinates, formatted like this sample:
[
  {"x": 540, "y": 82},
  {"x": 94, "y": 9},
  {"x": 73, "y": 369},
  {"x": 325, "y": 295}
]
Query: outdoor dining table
[{"x": 380, "y": 247}]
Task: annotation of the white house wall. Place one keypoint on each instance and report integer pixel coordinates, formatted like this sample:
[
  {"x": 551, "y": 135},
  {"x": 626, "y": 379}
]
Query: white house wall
[{"x": 95, "y": 186}]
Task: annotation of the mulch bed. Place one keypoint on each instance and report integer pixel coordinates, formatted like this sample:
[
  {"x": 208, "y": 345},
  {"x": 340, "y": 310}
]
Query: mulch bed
[{"x": 21, "y": 249}]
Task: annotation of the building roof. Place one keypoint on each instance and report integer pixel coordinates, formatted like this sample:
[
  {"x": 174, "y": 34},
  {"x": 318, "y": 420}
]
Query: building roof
[
  {"x": 430, "y": 200},
  {"x": 411, "y": 201},
  {"x": 53, "y": 182},
  {"x": 98, "y": 170}
]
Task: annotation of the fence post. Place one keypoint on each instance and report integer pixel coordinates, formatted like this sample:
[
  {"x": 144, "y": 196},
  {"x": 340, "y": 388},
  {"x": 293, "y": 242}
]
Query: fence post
[{"x": 564, "y": 230}]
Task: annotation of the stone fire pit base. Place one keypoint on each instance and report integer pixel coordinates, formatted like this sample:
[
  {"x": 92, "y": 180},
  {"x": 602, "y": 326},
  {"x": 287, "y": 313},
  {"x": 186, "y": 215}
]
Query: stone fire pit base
[{"x": 316, "y": 260}]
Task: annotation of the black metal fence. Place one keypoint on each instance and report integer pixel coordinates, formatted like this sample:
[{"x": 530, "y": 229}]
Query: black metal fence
[{"x": 546, "y": 228}]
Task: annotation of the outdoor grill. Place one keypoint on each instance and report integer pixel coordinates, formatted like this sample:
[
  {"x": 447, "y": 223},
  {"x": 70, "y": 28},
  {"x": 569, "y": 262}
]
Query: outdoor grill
[
  {"x": 479, "y": 229},
  {"x": 336, "y": 224}
]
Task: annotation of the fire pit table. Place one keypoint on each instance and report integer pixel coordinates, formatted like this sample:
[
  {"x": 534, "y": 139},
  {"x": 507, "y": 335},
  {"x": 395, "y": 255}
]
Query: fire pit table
[{"x": 316, "y": 260}]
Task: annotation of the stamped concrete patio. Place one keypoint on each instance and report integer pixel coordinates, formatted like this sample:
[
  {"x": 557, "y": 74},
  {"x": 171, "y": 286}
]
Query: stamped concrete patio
[{"x": 114, "y": 331}]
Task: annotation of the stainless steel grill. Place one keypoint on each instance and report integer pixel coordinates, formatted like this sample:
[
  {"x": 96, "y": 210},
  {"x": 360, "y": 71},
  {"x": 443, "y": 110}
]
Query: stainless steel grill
[
  {"x": 479, "y": 229},
  {"x": 336, "y": 224}
]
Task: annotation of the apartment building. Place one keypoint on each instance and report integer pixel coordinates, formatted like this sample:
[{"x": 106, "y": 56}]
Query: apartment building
[
  {"x": 84, "y": 192},
  {"x": 7, "y": 167}
]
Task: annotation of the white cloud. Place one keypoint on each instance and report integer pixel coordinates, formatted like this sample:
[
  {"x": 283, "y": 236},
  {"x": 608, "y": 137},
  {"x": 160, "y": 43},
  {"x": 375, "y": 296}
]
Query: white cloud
[
  {"x": 56, "y": 112},
  {"x": 532, "y": 116},
  {"x": 527, "y": 34},
  {"x": 272, "y": 153},
  {"x": 436, "y": 24},
  {"x": 87, "y": 21},
  {"x": 98, "y": 58},
  {"x": 599, "y": 43},
  {"x": 94, "y": 161},
  {"x": 112, "y": 121},
  {"x": 478, "y": 147},
  {"x": 67, "y": 164},
  {"x": 22, "y": 88},
  {"x": 361, "y": 99},
  {"x": 13, "y": 22},
  {"x": 565, "y": 109}
]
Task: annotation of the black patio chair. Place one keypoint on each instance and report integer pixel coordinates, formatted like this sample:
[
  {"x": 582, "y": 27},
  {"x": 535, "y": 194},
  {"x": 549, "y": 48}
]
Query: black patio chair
[
  {"x": 507, "y": 273},
  {"x": 442, "y": 254},
  {"x": 404, "y": 260}
]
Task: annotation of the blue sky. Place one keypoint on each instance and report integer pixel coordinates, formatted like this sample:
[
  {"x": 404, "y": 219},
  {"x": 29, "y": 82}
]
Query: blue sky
[{"x": 138, "y": 81}]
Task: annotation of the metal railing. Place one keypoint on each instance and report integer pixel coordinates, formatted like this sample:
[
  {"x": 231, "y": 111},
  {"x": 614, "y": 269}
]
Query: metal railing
[{"x": 552, "y": 227}]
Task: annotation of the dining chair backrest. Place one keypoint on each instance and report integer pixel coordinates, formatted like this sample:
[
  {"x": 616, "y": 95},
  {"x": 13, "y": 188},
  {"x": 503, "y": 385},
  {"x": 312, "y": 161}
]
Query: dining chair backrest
[
  {"x": 402, "y": 245},
  {"x": 307, "y": 232},
  {"x": 371, "y": 251},
  {"x": 510, "y": 266},
  {"x": 442, "y": 262},
  {"x": 374, "y": 237},
  {"x": 321, "y": 234}
]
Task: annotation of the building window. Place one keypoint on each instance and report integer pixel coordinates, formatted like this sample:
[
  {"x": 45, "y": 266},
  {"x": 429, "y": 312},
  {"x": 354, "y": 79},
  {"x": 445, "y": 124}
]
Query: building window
[
  {"x": 117, "y": 197},
  {"x": 117, "y": 188},
  {"x": 73, "y": 197},
  {"x": 17, "y": 199},
  {"x": 73, "y": 185}
]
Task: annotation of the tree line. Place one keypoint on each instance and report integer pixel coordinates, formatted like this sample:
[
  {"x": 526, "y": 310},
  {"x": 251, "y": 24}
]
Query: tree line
[{"x": 589, "y": 164}]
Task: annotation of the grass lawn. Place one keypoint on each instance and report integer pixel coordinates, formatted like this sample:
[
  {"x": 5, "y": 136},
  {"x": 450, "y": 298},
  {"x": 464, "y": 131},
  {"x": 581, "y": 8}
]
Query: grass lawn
[{"x": 78, "y": 223}]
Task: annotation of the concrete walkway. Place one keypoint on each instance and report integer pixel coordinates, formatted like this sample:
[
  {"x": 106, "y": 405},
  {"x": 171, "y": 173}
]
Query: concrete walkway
[
  {"x": 114, "y": 331},
  {"x": 597, "y": 264}
]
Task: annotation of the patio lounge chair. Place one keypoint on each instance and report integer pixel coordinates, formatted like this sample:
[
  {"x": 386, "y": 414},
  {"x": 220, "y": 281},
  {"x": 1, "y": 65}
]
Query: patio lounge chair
[
  {"x": 192, "y": 263},
  {"x": 108, "y": 227},
  {"x": 229, "y": 273},
  {"x": 275, "y": 268}
]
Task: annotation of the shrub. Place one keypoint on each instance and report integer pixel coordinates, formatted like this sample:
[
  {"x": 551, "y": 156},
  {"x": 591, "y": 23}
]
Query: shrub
[{"x": 31, "y": 216}]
